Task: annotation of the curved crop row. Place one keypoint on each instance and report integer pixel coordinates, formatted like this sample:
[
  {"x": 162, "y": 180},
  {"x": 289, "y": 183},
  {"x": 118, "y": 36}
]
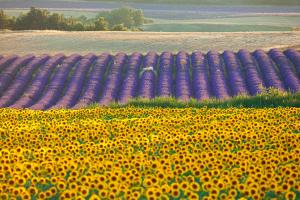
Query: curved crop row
[
  {"x": 74, "y": 87},
  {"x": 56, "y": 84},
  {"x": 183, "y": 88},
  {"x": 165, "y": 75},
  {"x": 9, "y": 73},
  {"x": 130, "y": 83},
  {"x": 289, "y": 77},
  {"x": 21, "y": 80},
  {"x": 252, "y": 76},
  {"x": 235, "y": 76},
  {"x": 294, "y": 56},
  {"x": 200, "y": 80},
  {"x": 147, "y": 80},
  {"x": 57, "y": 81},
  {"x": 217, "y": 77},
  {"x": 94, "y": 83},
  {"x": 35, "y": 89},
  {"x": 113, "y": 80}
]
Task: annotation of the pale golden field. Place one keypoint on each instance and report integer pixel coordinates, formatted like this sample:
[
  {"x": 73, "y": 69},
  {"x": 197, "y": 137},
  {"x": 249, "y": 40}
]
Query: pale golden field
[{"x": 38, "y": 42}]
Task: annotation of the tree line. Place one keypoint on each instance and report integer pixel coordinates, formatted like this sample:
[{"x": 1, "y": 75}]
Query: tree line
[
  {"x": 214, "y": 2},
  {"x": 121, "y": 19}
]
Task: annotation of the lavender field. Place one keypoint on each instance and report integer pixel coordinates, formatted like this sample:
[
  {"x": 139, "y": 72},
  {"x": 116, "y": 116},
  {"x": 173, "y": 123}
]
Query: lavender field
[{"x": 75, "y": 81}]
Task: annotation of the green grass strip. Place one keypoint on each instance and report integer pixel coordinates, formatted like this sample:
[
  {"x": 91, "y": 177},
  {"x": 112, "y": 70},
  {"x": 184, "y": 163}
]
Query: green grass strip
[{"x": 270, "y": 98}]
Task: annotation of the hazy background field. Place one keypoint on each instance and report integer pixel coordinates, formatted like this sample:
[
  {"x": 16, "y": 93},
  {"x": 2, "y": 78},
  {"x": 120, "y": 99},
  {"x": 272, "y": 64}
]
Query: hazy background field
[{"x": 243, "y": 15}]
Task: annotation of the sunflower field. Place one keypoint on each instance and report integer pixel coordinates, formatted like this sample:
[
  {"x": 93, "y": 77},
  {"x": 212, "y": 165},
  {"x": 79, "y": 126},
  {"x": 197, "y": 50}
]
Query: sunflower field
[{"x": 150, "y": 153}]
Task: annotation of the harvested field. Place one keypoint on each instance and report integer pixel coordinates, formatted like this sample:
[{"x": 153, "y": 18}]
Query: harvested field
[{"x": 51, "y": 42}]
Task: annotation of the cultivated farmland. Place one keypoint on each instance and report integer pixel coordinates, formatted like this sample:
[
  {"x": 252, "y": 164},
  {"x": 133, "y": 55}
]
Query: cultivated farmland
[
  {"x": 75, "y": 81},
  {"x": 53, "y": 42},
  {"x": 154, "y": 153},
  {"x": 100, "y": 115}
]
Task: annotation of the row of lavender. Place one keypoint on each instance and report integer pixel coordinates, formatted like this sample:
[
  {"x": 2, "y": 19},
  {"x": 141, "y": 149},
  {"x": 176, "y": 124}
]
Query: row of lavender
[{"x": 75, "y": 81}]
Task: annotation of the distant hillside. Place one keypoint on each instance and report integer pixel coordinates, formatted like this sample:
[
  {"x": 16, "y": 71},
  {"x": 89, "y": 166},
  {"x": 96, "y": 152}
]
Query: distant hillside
[{"x": 212, "y": 2}]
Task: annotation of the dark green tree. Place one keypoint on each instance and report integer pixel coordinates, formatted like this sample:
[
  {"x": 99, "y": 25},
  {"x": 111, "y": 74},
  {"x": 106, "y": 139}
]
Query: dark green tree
[
  {"x": 138, "y": 17},
  {"x": 5, "y": 21},
  {"x": 101, "y": 24},
  {"x": 20, "y": 25},
  {"x": 119, "y": 27},
  {"x": 78, "y": 26},
  {"x": 104, "y": 14},
  {"x": 35, "y": 19},
  {"x": 82, "y": 18},
  {"x": 121, "y": 19},
  {"x": 56, "y": 22},
  {"x": 121, "y": 16}
]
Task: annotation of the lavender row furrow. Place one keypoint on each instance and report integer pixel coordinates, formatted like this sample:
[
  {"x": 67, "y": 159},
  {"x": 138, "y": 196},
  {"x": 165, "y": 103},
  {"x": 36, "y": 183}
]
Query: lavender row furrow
[
  {"x": 253, "y": 79},
  {"x": 146, "y": 90},
  {"x": 235, "y": 76},
  {"x": 34, "y": 90},
  {"x": 95, "y": 82},
  {"x": 289, "y": 77},
  {"x": 183, "y": 89},
  {"x": 294, "y": 56},
  {"x": 6, "y": 61},
  {"x": 17, "y": 87},
  {"x": 113, "y": 81},
  {"x": 56, "y": 84},
  {"x": 200, "y": 80},
  {"x": 74, "y": 87},
  {"x": 269, "y": 74},
  {"x": 165, "y": 75},
  {"x": 130, "y": 82},
  {"x": 147, "y": 76},
  {"x": 9, "y": 73},
  {"x": 217, "y": 77}
]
